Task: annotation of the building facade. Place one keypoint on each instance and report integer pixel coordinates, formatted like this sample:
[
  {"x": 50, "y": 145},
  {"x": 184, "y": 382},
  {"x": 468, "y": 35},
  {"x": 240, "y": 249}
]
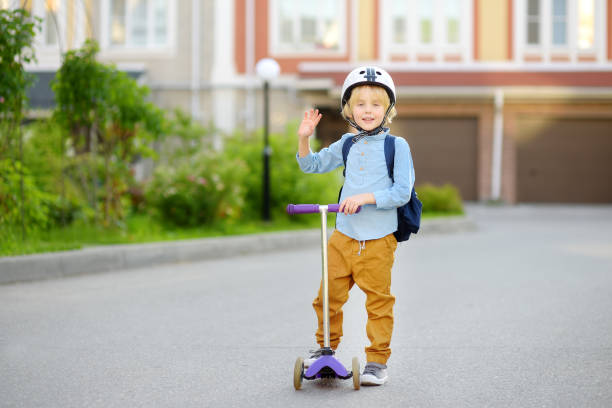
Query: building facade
[{"x": 506, "y": 99}]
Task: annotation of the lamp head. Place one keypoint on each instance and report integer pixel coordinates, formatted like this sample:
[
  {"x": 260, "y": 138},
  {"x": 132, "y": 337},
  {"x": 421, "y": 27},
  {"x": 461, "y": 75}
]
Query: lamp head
[{"x": 267, "y": 69}]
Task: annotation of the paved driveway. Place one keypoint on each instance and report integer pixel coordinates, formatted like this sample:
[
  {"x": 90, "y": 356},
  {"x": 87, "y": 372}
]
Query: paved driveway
[{"x": 517, "y": 313}]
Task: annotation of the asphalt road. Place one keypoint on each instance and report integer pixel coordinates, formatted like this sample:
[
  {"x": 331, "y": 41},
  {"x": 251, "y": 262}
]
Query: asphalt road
[{"x": 516, "y": 314}]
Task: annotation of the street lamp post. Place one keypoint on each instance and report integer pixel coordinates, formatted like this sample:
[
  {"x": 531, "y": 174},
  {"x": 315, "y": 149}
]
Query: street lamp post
[{"x": 267, "y": 69}]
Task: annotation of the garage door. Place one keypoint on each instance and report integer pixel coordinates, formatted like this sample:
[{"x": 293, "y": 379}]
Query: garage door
[
  {"x": 564, "y": 160},
  {"x": 444, "y": 150}
]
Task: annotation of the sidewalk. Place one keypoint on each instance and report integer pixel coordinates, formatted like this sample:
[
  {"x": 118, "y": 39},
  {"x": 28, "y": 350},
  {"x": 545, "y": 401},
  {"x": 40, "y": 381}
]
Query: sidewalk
[{"x": 118, "y": 257}]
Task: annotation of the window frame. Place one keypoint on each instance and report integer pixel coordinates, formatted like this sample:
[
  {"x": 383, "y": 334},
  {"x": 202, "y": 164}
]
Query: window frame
[
  {"x": 277, "y": 49},
  {"x": 538, "y": 20},
  {"x": 107, "y": 46},
  {"x": 567, "y": 25},
  {"x": 439, "y": 47},
  {"x": 547, "y": 49},
  {"x": 39, "y": 10}
]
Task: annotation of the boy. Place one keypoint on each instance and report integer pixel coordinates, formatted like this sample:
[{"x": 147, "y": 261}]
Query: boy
[{"x": 361, "y": 249}]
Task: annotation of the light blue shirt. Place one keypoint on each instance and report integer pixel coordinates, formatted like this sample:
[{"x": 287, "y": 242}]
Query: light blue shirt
[{"x": 366, "y": 172}]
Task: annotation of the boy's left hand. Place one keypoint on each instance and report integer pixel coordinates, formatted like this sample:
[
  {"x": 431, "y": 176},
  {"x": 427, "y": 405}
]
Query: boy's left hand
[{"x": 350, "y": 204}]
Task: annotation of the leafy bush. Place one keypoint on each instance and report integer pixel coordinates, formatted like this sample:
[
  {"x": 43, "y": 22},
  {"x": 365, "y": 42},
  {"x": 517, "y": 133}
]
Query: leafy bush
[
  {"x": 17, "y": 32},
  {"x": 443, "y": 199},
  {"x": 199, "y": 191},
  {"x": 35, "y": 203},
  {"x": 189, "y": 138},
  {"x": 288, "y": 184},
  {"x": 48, "y": 165},
  {"x": 109, "y": 124},
  {"x": 227, "y": 185}
]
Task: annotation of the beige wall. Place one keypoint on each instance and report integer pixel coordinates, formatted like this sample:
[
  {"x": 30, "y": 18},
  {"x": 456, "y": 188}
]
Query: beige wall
[
  {"x": 365, "y": 30},
  {"x": 493, "y": 30},
  {"x": 173, "y": 66}
]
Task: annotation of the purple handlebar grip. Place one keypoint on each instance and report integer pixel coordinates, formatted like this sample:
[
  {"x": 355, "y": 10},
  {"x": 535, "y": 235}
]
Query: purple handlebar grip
[
  {"x": 333, "y": 208},
  {"x": 302, "y": 208},
  {"x": 311, "y": 208},
  {"x": 336, "y": 207}
]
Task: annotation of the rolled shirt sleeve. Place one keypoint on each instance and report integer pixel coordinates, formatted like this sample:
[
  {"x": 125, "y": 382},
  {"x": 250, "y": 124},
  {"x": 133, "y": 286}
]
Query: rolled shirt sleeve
[
  {"x": 325, "y": 160},
  {"x": 399, "y": 192}
]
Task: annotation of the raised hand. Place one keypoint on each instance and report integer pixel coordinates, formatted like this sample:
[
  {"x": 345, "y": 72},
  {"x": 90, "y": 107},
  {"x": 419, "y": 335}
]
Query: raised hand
[{"x": 309, "y": 123}]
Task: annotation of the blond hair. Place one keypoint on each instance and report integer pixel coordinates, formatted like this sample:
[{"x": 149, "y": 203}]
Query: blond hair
[{"x": 379, "y": 93}]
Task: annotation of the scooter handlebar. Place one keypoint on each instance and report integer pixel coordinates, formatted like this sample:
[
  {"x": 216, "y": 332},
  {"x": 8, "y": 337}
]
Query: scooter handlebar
[
  {"x": 311, "y": 208},
  {"x": 302, "y": 209}
]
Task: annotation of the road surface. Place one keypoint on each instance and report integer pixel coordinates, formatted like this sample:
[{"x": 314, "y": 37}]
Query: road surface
[{"x": 516, "y": 314}]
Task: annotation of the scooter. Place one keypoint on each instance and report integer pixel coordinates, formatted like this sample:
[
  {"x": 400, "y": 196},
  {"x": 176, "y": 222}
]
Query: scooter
[{"x": 326, "y": 366}]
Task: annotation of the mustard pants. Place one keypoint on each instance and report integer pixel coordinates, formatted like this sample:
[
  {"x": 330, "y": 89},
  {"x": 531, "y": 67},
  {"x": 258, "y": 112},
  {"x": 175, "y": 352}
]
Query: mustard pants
[{"x": 368, "y": 264}]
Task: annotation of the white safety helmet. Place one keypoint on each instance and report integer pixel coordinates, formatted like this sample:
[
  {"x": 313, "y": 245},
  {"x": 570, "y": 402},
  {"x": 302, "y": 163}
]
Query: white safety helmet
[{"x": 367, "y": 76}]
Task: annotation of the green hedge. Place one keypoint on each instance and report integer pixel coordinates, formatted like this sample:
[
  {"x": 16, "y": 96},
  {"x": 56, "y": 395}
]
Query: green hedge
[
  {"x": 226, "y": 185},
  {"x": 440, "y": 199}
]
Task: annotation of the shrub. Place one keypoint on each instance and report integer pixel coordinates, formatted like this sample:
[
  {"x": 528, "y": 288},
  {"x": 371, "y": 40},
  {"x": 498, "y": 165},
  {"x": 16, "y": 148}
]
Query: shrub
[
  {"x": 35, "y": 203},
  {"x": 227, "y": 185},
  {"x": 443, "y": 199},
  {"x": 288, "y": 184},
  {"x": 109, "y": 124},
  {"x": 199, "y": 191},
  {"x": 48, "y": 165}
]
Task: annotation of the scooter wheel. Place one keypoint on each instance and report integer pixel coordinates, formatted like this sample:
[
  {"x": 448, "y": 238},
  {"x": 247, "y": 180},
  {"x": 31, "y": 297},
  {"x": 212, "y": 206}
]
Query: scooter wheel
[
  {"x": 356, "y": 373},
  {"x": 298, "y": 373}
]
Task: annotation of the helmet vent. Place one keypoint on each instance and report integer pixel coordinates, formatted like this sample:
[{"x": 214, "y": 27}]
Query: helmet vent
[
  {"x": 378, "y": 73},
  {"x": 361, "y": 72}
]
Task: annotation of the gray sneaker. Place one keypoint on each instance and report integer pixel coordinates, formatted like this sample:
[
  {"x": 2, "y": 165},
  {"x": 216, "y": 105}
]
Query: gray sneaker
[
  {"x": 374, "y": 374},
  {"x": 314, "y": 355}
]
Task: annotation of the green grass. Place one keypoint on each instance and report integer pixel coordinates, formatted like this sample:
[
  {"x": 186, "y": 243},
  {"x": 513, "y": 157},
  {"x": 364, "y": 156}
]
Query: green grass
[
  {"x": 137, "y": 229},
  {"x": 143, "y": 228}
]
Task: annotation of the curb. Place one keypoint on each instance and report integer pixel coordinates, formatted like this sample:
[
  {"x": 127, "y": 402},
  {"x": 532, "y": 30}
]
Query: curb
[{"x": 117, "y": 257}]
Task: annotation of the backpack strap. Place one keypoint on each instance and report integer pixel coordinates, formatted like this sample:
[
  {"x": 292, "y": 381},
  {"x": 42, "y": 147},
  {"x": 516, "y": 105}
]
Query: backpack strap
[
  {"x": 390, "y": 155},
  {"x": 348, "y": 143}
]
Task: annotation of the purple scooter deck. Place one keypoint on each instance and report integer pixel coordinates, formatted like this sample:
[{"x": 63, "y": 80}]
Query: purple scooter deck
[{"x": 314, "y": 371}]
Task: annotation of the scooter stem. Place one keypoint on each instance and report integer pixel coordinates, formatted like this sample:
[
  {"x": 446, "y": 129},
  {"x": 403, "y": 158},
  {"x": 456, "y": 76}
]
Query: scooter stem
[{"x": 323, "y": 211}]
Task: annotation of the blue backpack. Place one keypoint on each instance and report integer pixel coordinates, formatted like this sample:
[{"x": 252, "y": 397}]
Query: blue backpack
[{"x": 408, "y": 215}]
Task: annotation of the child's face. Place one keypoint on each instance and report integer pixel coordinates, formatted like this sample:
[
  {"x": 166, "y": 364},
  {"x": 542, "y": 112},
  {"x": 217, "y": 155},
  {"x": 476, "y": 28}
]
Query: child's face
[{"x": 367, "y": 108}]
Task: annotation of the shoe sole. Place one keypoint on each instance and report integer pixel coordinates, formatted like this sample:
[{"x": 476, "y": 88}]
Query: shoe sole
[{"x": 372, "y": 380}]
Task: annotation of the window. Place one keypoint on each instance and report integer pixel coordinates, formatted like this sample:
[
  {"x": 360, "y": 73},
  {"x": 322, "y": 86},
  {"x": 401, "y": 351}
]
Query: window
[
  {"x": 561, "y": 30},
  {"x": 559, "y": 22},
  {"x": 307, "y": 26},
  {"x": 52, "y": 35},
  {"x": 586, "y": 24},
  {"x": 437, "y": 27},
  {"x": 533, "y": 22},
  {"x": 138, "y": 23},
  {"x": 452, "y": 21},
  {"x": 51, "y": 23},
  {"x": 399, "y": 22},
  {"x": 425, "y": 22}
]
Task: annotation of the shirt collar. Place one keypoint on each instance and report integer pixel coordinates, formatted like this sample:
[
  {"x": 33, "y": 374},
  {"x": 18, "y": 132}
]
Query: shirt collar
[{"x": 378, "y": 136}]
